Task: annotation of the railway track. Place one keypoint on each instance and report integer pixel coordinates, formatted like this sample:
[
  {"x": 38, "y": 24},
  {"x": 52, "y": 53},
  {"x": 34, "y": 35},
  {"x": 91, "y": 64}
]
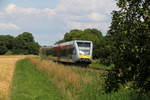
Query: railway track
[{"x": 80, "y": 65}]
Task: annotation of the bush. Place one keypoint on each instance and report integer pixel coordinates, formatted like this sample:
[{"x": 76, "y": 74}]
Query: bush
[{"x": 131, "y": 36}]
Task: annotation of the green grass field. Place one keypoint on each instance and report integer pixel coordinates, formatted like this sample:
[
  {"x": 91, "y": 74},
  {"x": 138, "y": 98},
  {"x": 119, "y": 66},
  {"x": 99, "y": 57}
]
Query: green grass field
[
  {"x": 37, "y": 79},
  {"x": 31, "y": 84}
]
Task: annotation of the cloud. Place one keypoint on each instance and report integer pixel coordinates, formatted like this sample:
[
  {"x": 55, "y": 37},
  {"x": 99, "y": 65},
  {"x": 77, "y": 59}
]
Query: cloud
[
  {"x": 13, "y": 9},
  {"x": 52, "y": 23},
  {"x": 86, "y": 14},
  {"x": 9, "y": 26},
  {"x": 73, "y": 13},
  {"x": 26, "y": 18},
  {"x": 10, "y": 8},
  {"x": 84, "y": 6},
  {"x": 97, "y": 17},
  {"x": 79, "y": 25}
]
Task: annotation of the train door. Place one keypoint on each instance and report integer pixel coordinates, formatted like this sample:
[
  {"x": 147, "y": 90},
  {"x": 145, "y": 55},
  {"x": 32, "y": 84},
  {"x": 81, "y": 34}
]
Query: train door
[{"x": 74, "y": 53}]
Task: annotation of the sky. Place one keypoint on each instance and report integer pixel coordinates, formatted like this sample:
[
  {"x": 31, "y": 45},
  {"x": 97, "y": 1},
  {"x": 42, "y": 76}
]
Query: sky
[{"x": 49, "y": 20}]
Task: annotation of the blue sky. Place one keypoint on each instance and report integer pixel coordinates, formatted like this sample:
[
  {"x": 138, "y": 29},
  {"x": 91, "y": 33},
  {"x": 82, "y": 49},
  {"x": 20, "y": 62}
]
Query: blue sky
[{"x": 49, "y": 20}]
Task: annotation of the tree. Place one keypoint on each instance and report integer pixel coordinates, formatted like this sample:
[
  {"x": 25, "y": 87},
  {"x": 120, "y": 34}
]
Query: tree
[
  {"x": 105, "y": 51},
  {"x": 130, "y": 30},
  {"x": 3, "y": 48},
  {"x": 25, "y": 44},
  {"x": 6, "y": 43},
  {"x": 33, "y": 48}
]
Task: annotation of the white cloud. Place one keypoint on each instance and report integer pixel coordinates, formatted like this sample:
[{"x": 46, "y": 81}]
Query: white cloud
[
  {"x": 27, "y": 18},
  {"x": 79, "y": 25},
  {"x": 68, "y": 14},
  {"x": 74, "y": 13},
  {"x": 9, "y": 26},
  {"x": 87, "y": 14},
  {"x": 84, "y": 6},
  {"x": 10, "y": 8},
  {"x": 97, "y": 17}
]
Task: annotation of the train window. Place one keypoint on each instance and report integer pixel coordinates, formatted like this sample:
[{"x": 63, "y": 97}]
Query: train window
[{"x": 83, "y": 44}]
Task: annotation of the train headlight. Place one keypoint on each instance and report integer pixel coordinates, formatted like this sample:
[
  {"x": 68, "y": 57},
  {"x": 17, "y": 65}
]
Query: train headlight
[
  {"x": 85, "y": 56},
  {"x": 81, "y": 53}
]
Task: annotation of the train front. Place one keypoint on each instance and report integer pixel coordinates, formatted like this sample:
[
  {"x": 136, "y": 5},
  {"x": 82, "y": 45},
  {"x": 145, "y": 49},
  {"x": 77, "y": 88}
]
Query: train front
[{"x": 85, "y": 49}]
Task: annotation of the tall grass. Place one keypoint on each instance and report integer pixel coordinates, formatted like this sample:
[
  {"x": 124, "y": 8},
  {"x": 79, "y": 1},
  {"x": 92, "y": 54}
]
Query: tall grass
[
  {"x": 77, "y": 83},
  {"x": 65, "y": 79},
  {"x": 73, "y": 82}
]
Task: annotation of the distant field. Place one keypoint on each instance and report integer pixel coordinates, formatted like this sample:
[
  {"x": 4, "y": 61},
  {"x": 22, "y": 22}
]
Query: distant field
[{"x": 7, "y": 67}]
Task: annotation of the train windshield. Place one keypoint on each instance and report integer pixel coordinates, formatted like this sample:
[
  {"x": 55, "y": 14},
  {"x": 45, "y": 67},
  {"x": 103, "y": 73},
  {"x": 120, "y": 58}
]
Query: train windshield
[
  {"x": 84, "y": 52},
  {"x": 84, "y": 48},
  {"x": 83, "y": 44}
]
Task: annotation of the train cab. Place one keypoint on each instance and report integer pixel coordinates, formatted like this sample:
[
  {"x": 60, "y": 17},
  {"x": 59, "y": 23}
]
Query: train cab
[{"x": 83, "y": 51}]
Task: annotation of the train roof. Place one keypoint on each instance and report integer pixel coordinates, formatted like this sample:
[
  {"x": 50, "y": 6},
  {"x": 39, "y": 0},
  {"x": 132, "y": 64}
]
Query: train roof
[
  {"x": 71, "y": 42},
  {"x": 67, "y": 43}
]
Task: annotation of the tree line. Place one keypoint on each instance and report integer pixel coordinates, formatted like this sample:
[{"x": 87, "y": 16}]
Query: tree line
[{"x": 22, "y": 44}]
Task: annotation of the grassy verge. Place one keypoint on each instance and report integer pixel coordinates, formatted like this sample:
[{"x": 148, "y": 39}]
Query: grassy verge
[
  {"x": 78, "y": 83},
  {"x": 95, "y": 65},
  {"x": 32, "y": 84}
]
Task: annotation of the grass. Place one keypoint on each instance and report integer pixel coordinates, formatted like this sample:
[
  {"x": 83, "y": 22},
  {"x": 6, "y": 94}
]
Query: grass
[
  {"x": 77, "y": 83},
  {"x": 96, "y": 65},
  {"x": 65, "y": 79},
  {"x": 32, "y": 84}
]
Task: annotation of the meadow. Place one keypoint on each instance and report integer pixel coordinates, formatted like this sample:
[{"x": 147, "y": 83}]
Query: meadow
[
  {"x": 76, "y": 83},
  {"x": 34, "y": 78},
  {"x": 32, "y": 84}
]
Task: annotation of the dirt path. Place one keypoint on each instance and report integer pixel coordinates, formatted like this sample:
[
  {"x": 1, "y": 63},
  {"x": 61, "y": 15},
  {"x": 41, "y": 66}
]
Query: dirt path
[{"x": 7, "y": 67}]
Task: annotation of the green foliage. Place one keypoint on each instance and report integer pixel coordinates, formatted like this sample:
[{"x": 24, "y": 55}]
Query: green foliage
[
  {"x": 95, "y": 64},
  {"x": 22, "y": 44},
  {"x": 106, "y": 50},
  {"x": 9, "y": 52},
  {"x": 33, "y": 48},
  {"x": 6, "y": 43},
  {"x": 3, "y": 48},
  {"x": 130, "y": 30}
]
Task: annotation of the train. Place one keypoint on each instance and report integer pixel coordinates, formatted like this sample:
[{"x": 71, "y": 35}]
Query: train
[{"x": 76, "y": 51}]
